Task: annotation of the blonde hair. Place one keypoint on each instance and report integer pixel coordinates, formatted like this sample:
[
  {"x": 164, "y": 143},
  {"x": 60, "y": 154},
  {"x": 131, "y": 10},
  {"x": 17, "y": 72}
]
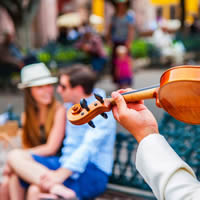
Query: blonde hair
[{"x": 31, "y": 136}]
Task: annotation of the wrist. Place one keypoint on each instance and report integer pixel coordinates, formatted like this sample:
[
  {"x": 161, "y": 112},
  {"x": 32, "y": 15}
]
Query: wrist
[
  {"x": 145, "y": 132},
  {"x": 64, "y": 173}
]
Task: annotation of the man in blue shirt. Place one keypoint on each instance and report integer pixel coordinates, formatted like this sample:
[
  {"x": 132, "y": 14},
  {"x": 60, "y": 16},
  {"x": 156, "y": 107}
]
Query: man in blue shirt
[{"x": 87, "y": 153}]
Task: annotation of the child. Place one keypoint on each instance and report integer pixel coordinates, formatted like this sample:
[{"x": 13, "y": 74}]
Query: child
[{"x": 123, "y": 65}]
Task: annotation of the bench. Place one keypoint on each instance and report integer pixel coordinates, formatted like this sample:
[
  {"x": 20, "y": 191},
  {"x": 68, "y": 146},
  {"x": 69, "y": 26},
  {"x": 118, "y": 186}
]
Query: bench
[{"x": 126, "y": 182}]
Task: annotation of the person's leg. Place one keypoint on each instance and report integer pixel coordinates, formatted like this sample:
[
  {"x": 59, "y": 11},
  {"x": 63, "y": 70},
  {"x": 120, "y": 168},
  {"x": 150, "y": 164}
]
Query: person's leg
[
  {"x": 4, "y": 188},
  {"x": 31, "y": 169},
  {"x": 91, "y": 183},
  {"x": 25, "y": 167},
  {"x": 16, "y": 192}
]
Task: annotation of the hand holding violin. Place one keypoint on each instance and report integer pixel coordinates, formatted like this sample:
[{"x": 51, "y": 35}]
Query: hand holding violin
[
  {"x": 134, "y": 117},
  {"x": 178, "y": 94}
]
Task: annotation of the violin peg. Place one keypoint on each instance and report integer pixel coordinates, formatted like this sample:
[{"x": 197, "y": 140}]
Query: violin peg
[
  {"x": 99, "y": 97},
  {"x": 84, "y": 104},
  {"x": 91, "y": 124},
  {"x": 104, "y": 115}
]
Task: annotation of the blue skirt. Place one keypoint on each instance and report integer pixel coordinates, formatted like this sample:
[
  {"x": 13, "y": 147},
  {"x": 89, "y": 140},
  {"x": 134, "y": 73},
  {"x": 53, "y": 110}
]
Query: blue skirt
[{"x": 91, "y": 183}]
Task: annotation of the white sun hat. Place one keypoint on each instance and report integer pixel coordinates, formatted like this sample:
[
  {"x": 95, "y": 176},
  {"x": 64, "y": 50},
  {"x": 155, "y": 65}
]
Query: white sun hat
[{"x": 36, "y": 75}]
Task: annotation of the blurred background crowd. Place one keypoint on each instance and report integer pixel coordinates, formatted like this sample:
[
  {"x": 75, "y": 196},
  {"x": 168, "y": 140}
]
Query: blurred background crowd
[{"x": 62, "y": 32}]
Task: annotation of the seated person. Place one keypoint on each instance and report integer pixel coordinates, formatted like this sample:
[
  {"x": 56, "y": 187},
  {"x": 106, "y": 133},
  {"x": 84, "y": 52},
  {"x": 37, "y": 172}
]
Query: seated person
[
  {"x": 43, "y": 120},
  {"x": 10, "y": 53},
  {"x": 167, "y": 174},
  {"x": 92, "y": 44},
  {"x": 87, "y": 154}
]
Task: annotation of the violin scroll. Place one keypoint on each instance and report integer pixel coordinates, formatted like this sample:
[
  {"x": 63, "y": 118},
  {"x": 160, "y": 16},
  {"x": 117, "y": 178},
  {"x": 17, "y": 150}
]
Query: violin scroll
[
  {"x": 76, "y": 109},
  {"x": 82, "y": 113}
]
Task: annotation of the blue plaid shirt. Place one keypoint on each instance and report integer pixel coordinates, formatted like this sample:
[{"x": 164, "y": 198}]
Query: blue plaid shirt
[{"x": 83, "y": 144}]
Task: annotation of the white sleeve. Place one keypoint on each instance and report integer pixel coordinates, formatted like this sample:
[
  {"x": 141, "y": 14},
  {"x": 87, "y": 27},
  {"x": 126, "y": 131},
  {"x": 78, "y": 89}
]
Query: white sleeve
[{"x": 165, "y": 172}]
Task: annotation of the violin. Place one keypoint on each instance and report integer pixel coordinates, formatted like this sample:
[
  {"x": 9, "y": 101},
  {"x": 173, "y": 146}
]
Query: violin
[{"x": 178, "y": 94}]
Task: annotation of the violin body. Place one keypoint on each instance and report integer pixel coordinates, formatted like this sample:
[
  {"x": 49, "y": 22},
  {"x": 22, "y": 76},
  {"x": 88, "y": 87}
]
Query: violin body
[{"x": 178, "y": 94}]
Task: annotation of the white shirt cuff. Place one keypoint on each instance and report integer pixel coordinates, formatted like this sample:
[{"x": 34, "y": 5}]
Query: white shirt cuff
[{"x": 156, "y": 161}]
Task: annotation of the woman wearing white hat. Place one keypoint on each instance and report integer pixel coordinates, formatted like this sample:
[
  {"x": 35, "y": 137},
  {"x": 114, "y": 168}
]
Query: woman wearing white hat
[{"x": 43, "y": 120}]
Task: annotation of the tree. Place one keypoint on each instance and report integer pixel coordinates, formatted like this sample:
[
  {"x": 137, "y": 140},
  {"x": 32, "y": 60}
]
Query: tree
[{"x": 22, "y": 13}]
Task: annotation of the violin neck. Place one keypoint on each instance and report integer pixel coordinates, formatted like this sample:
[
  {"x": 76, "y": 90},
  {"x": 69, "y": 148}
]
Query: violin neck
[{"x": 141, "y": 94}]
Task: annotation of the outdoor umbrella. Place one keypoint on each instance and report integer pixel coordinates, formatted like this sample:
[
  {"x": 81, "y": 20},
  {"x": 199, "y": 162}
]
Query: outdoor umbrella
[{"x": 69, "y": 20}]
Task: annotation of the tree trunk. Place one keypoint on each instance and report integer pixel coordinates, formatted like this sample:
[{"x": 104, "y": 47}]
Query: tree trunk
[
  {"x": 182, "y": 5},
  {"x": 23, "y": 36},
  {"x": 24, "y": 30}
]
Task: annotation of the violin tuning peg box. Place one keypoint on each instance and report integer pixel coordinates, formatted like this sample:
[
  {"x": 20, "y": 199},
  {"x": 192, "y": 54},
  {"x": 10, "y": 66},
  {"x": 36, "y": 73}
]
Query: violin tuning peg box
[
  {"x": 99, "y": 97},
  {"x": 84, "y": 104},
  {"x": 104, "y": 115},
  {"x": 91, "y": 124}
]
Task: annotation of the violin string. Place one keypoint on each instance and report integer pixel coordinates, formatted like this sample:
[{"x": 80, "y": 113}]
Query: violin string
[
  {"x": 138, "y": 90},
  {"x": 142, "y": 89}
]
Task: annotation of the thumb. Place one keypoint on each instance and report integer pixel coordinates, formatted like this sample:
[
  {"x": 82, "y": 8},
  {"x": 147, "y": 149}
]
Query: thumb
[{"x": 120, "y": 102}]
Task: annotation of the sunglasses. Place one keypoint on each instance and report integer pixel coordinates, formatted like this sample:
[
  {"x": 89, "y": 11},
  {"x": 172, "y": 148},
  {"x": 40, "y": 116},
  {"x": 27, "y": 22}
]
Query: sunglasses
[{"x": 62, "y": 86}]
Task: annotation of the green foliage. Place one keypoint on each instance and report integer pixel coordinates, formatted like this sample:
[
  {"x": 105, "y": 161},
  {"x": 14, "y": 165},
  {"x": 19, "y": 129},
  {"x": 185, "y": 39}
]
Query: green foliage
[
  {"x": 108, "y": 50},
  {"x": 44, "y": 57},
  {"x": 68, "y": 55},
  {"x": 61, "y": 54},
  {"x": 139, "y": 49},
  {"x": 65, "y": 55}
]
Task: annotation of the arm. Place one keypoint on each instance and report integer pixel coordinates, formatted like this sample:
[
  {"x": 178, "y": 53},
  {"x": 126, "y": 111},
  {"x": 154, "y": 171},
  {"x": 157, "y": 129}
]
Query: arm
[
  {"x": 83, "y": 45},
  {"x": 165, "y": 172},
  {"x": 131, "y": 21},
  {"x": 130, "y": 36},
  {"x": 55, "y": 137},
  {"x": 108, "y": 37}
]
